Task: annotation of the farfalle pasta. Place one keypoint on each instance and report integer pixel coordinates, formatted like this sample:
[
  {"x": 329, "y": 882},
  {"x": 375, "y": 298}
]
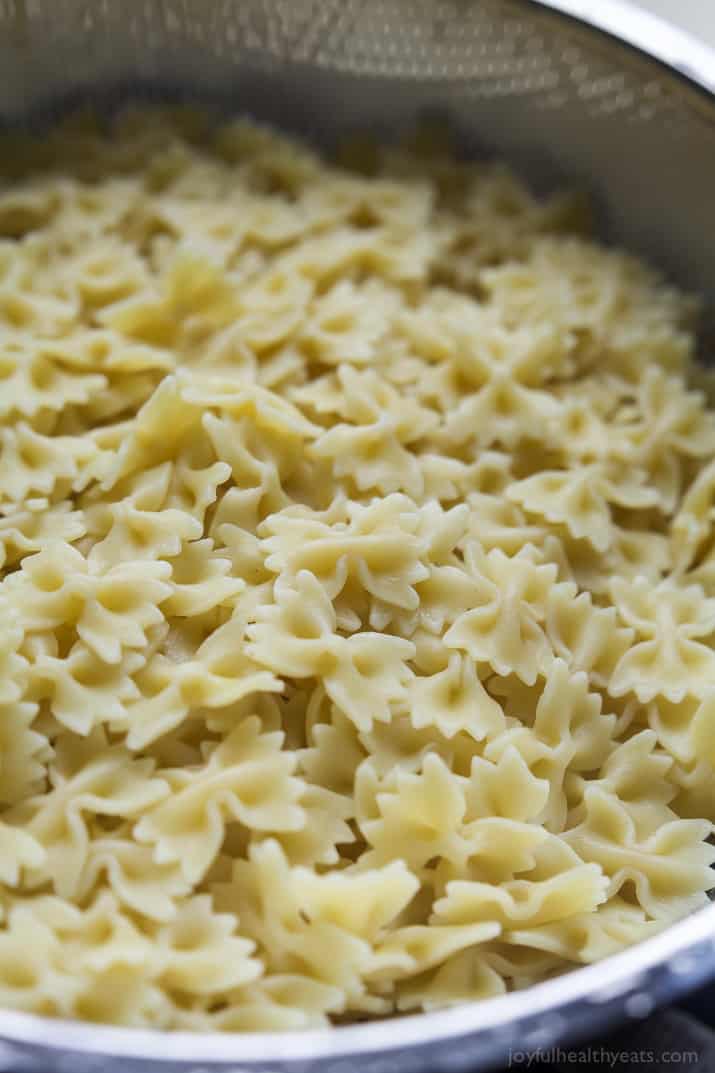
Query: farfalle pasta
[{"x": 357, "y": 582}]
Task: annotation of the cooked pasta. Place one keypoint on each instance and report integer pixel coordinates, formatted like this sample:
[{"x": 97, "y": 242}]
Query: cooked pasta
[{"x": 357, "y": 598}]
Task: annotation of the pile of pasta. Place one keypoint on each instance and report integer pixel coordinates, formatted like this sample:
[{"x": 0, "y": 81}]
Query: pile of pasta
[{"x": 357, "y": 609}]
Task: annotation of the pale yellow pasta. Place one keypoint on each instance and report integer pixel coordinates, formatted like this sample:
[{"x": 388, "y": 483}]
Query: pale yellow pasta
[{"x": 357, "y": 583}]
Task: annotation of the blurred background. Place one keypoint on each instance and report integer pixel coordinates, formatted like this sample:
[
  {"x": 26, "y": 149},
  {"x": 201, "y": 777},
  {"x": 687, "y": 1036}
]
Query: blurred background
[{"x": 697, "y": 16}]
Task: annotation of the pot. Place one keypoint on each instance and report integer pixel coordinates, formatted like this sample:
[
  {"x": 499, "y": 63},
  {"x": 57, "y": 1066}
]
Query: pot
[{"x": 600, "y": 96}]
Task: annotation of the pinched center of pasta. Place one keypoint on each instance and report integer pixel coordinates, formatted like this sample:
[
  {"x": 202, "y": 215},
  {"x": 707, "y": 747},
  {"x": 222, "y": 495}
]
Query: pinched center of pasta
[{"x": 357, "y": 591}]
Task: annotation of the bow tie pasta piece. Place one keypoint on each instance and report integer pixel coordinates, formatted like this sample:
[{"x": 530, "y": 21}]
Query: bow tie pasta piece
[
  {"x": 491, "y": 217},
  {"x": 505, "y": 787},
  {"x": 474, "y": 344},
  {"x": 201, "y": 955},
  {"x": 185, "y": 223},
  {"x": 360, "y": 397},
  {"x": 87, "y": 779},
  {"x": 399, "y": 258},
  {"x": 296, "y": 916},
  {"x": 233, "y": 527},
  {"x": 568, "y": 714},
  {"x": 266, "y": 409},
  {"x": 554, "y": 885},
  {"x": 348, "y": 323},
  {"x": 671, "y": 657},
  {"x": 247, "y": 778},
  {"x": 377, "y": 547},
  {"x": 124, "y": 608},
  {"x": 633, "y": 553},
  {"x": 495, "y": 522},
  {"x": 33, "y": 463},
  {"x": 363, "y": 903},
  {"x": 24, "y": 752},
  {"x": 13, "y": 665},
  {"x": 364, "y": 674},
  {"x": 269, "y": 470},
  {"x": 168, "y": 429},
  {"x": 371, "y": 456},
  {"x": 422, "y": 813},
  {"x": 374, "y": 412},
  {"x": 692, "y": 525},
  {"x": 693, "y": 783},
  {"x": 276, "y": 1003},
  {"x": 82, "y": 691},
  {"x": 333, "y": 754},
  {"x": 398, "y": 745},
  {"x": 33, "y": 383},
  {"x": 504, "y": 628},
  {"x": 18, "y": 851},
  {"x": 502, "y": 413},
  {"x": 171, "y": 686},
  {"x": 227, "y": 355},
  {"x": 34, "y": 975},
  {"x": 272, "y": 308},
  {"x": 350, "y": 198},
  {"x": 684, "y": 728},
  {"x": 200, "y": 580},
  {"x": 138, "y": 882},
  {"x": 445, "y": 595},
  {"x": 443, "y": 816},
  {"x": 466, "y": 977},
  {"x": 455, "y": 700},
  {"x": 106, "y": 272},
  {"x": 588, "y": 937},
  {"x": 45, "y": 314},
  {"x": 261, "y": 437},
  {"x": 640, "y": 777},
  {"x": 445, "y": 328},
  {"x": 23, "y": 211},
  {"x": 193, "y": 299},
  {"x": 558, "y": 729},
  {"x": 581, "y": 499},
  {"x": 256, "y": 462},
  {"x": 637, "y": 772},
  {"x": 584, "y": 434},
  {"x": 111, "y": 610},
  {"x": 668, "y": 416},
  {"x": 703, "y": 730},
  {"x": 410, "y": 951},
  {"x": 28, "y": 527},
  {"x": 368, "y": 675},
  {"x": 669, "y": 868},
  {"x": 614, "y": 305},
  {"x": 491, "y": 374},
  {"x": 133, "y": 524},
  {"x": 198, "y": 953},
  {"x": 104, "y": 939},
  {"x": 584, "y": 636},
  {"x": 326, "y": 834},
  {"x": 523, "y": 902}
]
